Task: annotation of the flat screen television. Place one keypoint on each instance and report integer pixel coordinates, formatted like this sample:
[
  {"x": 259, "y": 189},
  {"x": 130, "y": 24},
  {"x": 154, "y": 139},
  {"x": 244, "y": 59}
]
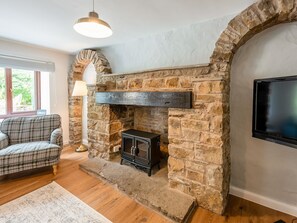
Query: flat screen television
[{"x": 275, "y": 110}]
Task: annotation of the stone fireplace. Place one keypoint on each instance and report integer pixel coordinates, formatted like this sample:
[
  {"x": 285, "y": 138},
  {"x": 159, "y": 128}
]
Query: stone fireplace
[
  {"x": 193, "y": 139},
  {"x": 198, "y": 138}
]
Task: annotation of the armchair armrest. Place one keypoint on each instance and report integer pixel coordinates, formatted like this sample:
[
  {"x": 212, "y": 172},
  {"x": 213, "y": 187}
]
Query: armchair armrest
[
  {"x": 3, "y": 140},
  {"x": 57, "y": 137}
]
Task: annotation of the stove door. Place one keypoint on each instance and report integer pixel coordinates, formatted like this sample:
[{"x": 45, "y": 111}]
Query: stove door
[
  {"x": 142, "y": 151},
  {"x": 127, "y": 147}
]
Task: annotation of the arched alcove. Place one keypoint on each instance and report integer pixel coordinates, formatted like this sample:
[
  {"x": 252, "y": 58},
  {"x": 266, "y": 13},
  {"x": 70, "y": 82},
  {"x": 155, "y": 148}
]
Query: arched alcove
[
  {"x": 81, "y": 61},
  {"x": 256, "y": 18}
]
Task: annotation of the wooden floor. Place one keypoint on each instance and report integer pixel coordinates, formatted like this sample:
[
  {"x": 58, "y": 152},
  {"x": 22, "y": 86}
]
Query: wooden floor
[{"x": 115, "y": 205}]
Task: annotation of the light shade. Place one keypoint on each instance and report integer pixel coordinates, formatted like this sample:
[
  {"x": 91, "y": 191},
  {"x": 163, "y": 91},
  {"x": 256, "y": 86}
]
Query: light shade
[
  {"x": 80, "y": 89},
  {"x": 93, "y": 27}
]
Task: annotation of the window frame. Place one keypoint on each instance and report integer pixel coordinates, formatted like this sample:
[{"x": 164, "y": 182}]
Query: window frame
[{"x": 9, "y": 97}]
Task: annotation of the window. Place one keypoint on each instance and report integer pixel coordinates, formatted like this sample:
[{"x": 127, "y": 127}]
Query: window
[{"x": 19, "y": 92}]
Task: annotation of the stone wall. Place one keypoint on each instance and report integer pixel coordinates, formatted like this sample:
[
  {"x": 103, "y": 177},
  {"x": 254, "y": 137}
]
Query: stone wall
[{"x": 199, "y": 146}]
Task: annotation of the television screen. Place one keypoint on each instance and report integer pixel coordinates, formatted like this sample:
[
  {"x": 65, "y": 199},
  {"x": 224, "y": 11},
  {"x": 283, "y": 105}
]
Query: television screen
[{"x": 275, "y": 110}]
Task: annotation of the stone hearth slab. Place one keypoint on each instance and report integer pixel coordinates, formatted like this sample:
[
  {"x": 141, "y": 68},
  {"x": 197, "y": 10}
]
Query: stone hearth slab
[{"x": 153, "y": 191}]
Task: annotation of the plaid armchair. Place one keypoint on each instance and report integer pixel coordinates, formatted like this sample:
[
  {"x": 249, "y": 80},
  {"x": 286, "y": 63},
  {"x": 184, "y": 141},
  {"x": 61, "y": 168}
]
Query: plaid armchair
[{"x": 30, "y": 142}]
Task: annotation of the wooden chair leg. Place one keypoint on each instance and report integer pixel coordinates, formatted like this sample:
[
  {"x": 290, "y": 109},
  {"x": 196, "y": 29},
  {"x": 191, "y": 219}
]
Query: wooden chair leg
[{"x": 55, "y": 169}]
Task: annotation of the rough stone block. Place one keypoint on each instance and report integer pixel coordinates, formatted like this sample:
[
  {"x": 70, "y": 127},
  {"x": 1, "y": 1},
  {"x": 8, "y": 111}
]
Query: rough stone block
[
  {"x": 180, "y": 152},
  {"x": 216, "y": 124},
  {"x": 172, "y": 82},
  {"x": 92, "y": 115},
  {"x": 175, "y": 165},
  {"x": 177, "y": 113},
  {"x": 98, "y": 126},
  {"x": 208, "y": 98},
  {"x": 110, "y": 85},
  {"x": 135, "y": 84},
  {"x": 209, "y": 154},
  {"x": 182, "y": 143},
  {"x": 191, "y": 134},
  {"x": 76, "y": 111},
  {"x": 211, "y": 139},
  {"x": 185, "y": 82},
  {"x": 195, "y": 176},
  {"x": 225, "y": 67},
  {"x": 115, "y": 127},
  {"x": 219, "y": 56},
  {"x": 216, "y": 109},
  {"x": 98, "y": 137},
  {"x": 195, "y": 166},
  {"x": 154, "y": 83},
  {"x": 122, "y": 84},
  {"x": 196, "y": 125},
  {"x": 209, "y": 198},
  {"x": 174, "y": 126},
  {"x": 217, "y": 87},
  {"x": 214, "y": 176},
  {"x": 250, "y": 17},
  {"x": 115, "y": 138}
]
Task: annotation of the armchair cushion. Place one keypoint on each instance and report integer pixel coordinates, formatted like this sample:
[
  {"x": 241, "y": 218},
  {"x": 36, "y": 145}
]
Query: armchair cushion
[
  {"x": 3, "y": 140},
  {"x": 30, "y": 155}
]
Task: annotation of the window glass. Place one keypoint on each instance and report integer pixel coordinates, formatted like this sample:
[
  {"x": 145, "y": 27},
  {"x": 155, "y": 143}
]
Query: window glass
[
  {"x": 2, "y": 92},
  {"x": 23, "y": 90}
]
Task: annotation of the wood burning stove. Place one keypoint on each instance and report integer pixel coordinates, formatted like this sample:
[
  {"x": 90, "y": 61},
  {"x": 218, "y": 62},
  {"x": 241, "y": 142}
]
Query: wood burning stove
[{"x": 141, "y": 149}]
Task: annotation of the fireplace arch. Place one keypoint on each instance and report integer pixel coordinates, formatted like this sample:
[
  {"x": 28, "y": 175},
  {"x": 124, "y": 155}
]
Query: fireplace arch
[{"x": 253, "y": 20}]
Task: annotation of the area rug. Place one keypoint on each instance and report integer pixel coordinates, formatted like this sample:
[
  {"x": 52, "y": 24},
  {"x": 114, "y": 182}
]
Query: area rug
[{"x": 51, "y": 203}]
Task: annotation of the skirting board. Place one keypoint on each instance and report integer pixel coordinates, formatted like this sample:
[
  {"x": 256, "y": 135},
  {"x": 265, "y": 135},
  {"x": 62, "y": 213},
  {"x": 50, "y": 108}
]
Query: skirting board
[{"x": 265, "y": 201}]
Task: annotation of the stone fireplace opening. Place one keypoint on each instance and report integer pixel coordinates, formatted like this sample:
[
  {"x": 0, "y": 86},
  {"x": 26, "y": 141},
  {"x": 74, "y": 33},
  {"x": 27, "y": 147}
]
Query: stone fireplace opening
[{"x": 148, "y": 119}]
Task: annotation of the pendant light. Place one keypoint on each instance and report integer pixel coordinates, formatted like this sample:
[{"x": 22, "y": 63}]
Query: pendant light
[{"x": 92, "y": 26}]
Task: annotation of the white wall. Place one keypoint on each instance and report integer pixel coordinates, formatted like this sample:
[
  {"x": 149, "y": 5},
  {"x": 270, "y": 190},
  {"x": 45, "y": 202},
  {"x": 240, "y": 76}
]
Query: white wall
[
  {"x": 184, "y": 46},
  {"x": 260, "y": 167},
  {"x": 45, "y": 92},
  {"x": 89, "y": 77},
  {"x": 58, "y": 85}
]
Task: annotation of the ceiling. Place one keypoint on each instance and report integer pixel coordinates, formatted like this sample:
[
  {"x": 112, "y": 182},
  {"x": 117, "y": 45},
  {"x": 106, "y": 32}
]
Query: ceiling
[{"x": 48, "y": 23}]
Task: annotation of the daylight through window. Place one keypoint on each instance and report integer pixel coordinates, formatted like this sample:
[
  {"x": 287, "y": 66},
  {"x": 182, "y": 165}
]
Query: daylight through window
[{"x": 19, "y": 92}]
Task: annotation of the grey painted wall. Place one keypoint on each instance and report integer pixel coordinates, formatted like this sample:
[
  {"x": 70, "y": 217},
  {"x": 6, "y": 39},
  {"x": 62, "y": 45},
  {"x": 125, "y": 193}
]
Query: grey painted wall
[
  {"x": 259, "y": 166},
  {"x": 179, "y": 47}
]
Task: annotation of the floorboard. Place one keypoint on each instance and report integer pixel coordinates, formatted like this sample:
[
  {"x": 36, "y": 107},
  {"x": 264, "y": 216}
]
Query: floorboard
[{"x": 115, "y": 205}]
